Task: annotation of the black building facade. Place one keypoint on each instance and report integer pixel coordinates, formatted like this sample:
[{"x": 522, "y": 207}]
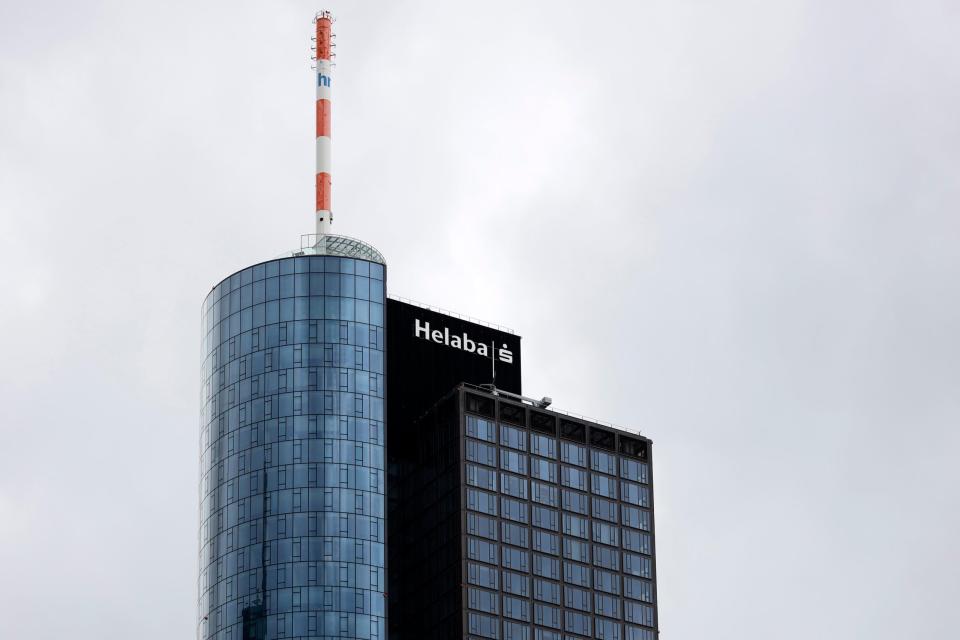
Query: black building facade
[
  {"x": 428, "y": 354},
  {"x": 520, "y": 523}
]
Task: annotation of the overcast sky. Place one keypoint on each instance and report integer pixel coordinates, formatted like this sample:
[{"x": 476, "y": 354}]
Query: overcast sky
[{"x": 732, "y": 225}]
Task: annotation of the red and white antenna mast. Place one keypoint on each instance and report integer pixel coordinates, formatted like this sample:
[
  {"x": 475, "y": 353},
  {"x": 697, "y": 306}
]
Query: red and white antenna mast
[{"x": 324, "y": 78}]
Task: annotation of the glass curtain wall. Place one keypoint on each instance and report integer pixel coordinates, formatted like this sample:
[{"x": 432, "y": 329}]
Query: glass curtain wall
[{"x": 292, "y": 531}]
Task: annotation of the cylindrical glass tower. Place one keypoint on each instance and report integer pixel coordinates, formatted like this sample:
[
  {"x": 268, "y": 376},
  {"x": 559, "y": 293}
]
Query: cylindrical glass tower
[{"x": 292, "y": 439}]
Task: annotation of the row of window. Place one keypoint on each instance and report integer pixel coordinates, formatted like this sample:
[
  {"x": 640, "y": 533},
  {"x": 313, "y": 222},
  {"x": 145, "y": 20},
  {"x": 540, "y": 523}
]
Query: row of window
[
  {"x": 298, "y": 625},
  {"x": 547, "y": 566},
  {"x": 291, "y": 309},
  {"x": 517, "y": 487},
  {"x": 265, "y": 338},
  {"x": 484, "y": 626},
  {"x": 338, "y": 285},
  {"x": 548, "y": 541},
  {"x": 284, "y": 529},
  {"x": 288, "y": 266},
  {"x": 309, "y": 578},
  {"x": 601, "y": 604},
  {"x": 573, "y": 574},
  {"x": 317, "y": 598},
  {"x": 251, "y": 384},
  {"x": 225, "y": 435},
  {"x": 293, "y": 404},
  {"x": 600, "y": 485},
  {"x": 546, "y": 447}
]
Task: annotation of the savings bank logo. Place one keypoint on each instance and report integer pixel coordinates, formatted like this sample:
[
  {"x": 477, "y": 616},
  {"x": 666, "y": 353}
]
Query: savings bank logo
[{"x": 463, "y": 342}]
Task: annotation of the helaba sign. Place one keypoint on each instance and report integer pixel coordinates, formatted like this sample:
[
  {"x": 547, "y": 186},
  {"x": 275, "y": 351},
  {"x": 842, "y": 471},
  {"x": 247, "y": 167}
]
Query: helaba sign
[
  {"x": 462, "y": 342},
  {"x": 322, "y": 80}
]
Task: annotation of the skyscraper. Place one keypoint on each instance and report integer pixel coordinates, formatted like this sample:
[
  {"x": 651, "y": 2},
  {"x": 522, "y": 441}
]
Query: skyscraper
[
  {"x": 292, "y": 434},
  {"x": 354, "y": 445}
]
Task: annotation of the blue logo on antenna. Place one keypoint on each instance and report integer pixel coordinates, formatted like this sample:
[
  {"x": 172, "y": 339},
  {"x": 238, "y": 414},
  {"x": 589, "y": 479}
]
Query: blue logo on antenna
[{"x": 322, "y": 80}]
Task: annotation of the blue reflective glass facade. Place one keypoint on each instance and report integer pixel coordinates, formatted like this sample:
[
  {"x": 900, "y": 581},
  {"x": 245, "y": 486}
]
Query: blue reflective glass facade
[{"x": 292, "y": 475}]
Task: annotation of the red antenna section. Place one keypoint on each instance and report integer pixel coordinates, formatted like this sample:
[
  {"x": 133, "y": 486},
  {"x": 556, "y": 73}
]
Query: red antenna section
[{"x": 324, "y": 80}]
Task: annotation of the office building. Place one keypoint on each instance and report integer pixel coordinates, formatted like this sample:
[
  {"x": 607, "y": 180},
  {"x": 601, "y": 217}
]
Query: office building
[{"x": 520, "y": 523}]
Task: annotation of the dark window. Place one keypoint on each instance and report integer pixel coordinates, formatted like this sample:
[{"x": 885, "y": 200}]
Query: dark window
[
  {"x": 479, "y": 404},
  {"x": 570, "y": 430},
  {"x": 542, "y": 422},
  {"x": 632, "y": 447},
  {"x": 602, "y": 439},
  {"x": 512, "y": 414}
]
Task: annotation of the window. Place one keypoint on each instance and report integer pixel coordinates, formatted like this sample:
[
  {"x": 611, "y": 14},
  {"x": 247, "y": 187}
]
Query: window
[
  {"x": 576, "y": 622},
  {"x": 635, "y": 494},
  {"x": 513, "y": 509},
  {"x": 545, "y": 518},
  {"x": 544, "y": 493},
  {"x": 483, "y": 625},
  {"x": 634, "y": 470},
  {"x": 574, "y": 598},
  {"x": 516, "y": 608},
  {"x": 573, "y": 453},
  {"x": 574, "y": 478},
  {"x": 603, "y": 462},
  {"x": 515, "y": 534},
  {"x": 513, "y": 486},
  {"x": 606, "y": 629},
  {"x": 606, "y": 533},
  {"x": 638, "y": 589},
  {"x": 482, "y": 453},
  {"x": 546, "y": 616},
  {"x": 638, "y": 613},
  {"x": 546, "y": 567},
  {"x": 546, "y": 591},
  {"x": 606, "y": 557},
  {"x": 573, "y": 501},
  {"x": 605, "y": 605},
  {"x": 543, "y": 634},
  {"x": 543, "y": 469},
  {"x": 512, "y": 413},
  {"x": 481, "y": 477},
  {"x": 481, "y": 575},
  {"x": 516, "y": 584},
  {"x": 515, "y": 630},
  {"x": 571, "y": 430},
  {"x": 606, "y": 581},
  {"x": 513, "y": 461},
  {"x": 636, "y": 541},
  {"x": 481, "y": 501},
  {"x": 574, "y": 526},
  {"x": 480, "y": 428},
  {"x": 543, "y": 445},
  {"x": 603, "y": 486},
  {"x": 577, "y": 574},
  {"x": 515, "y": 559},
  {"x": 546, "y": 542},
  {"x": 481, "y": 550},
  {"x": 481, "y": 526},
  {"x": 604, "y": 509},
  {"x": 482, "y": 600},
  {"x": 479, "y": 404},
  {"x": 637, "y": 565},
  {"x": 636, "y": 633},
  {"x": 576, "y": 550},
  {"x": 513, "y": 437},
  {"x": 636, "y": 518}
]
